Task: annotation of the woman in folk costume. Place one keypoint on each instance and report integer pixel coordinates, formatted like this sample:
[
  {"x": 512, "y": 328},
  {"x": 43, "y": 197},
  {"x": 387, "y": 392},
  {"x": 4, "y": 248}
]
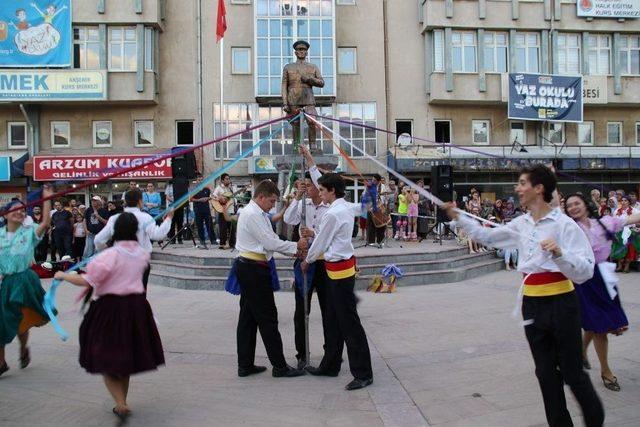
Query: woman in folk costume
[
  {"x": 601, "y": 310},
  {"x": 628, "y": 238},
  {"x": 118, "y": 335},
  {"x": 21, "y": 294}
]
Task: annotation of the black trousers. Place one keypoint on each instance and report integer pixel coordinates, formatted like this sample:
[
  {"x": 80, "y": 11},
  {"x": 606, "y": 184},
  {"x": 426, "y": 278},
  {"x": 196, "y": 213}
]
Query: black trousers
[
  {"x": 374, "y": 235},
  {"x": 319, "y": 283},
  {"x": 63, "y": 242},
  {"x": 176, "y": 224},
  {"x": 40, "y": 254},
  {"x": 556, "y": 345},
  {"x": 257, "y": 312},
  {"x": 77, "y": 247},
  {"x": 224, "y": 229},
  {"x": 343, "y": 326},
  {"x": 203, "y": 219}
]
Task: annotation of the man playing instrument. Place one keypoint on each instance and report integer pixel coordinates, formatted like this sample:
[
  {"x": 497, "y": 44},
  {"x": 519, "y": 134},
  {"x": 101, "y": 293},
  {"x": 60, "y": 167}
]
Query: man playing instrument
[{"x": 224, "y": 195}]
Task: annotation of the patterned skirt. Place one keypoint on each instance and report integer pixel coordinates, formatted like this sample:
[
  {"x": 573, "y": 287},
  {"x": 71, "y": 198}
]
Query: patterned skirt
[
  {"x": 118, "y": 336},
  {"x": 21, "y": 297}
]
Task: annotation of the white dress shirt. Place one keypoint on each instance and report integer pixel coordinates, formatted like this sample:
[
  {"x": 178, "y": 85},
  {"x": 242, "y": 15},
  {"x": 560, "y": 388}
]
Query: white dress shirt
[
  {"x": 147, "y": 230},
  {"x": 315, "y": 175},
  {"x": 293, "y": 214},
  {"x": 336, "y": 229},
  {"x": 577, "y": 260},
  {"x": 254, "y": 233}
]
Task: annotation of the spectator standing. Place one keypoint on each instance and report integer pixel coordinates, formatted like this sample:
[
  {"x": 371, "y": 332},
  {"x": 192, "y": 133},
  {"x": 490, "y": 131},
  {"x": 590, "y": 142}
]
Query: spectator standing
[
  {"x": 151, "y": 202},
  {"x": 95, "y": 219},
  {"x": 202, "y": 212},
  {"x": 62, "y": 221},
  {"x": 42, "y": 248},
  {"x": 79, "y": 237},
  {"x": 223, "y": 194}
]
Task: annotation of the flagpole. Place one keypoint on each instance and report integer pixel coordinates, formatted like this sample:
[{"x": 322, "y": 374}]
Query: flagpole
[{"x": 222, "y": 115}]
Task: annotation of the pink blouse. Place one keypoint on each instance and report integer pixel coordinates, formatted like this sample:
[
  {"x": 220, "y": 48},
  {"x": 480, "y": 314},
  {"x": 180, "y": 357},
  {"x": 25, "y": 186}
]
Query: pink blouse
[
  {"x": 600, "y": 244},
  {"x": 118, "y": 270}
]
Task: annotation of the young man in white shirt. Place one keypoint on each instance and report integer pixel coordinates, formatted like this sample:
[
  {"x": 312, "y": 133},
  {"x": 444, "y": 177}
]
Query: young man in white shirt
[
  {"x": 553, "y": 254},
  {"x": 220, "y": 193},
  {"x": 254, "y": 271},
  {"x": 343, "y": 322},
  {"x": 148, "y": 230}
]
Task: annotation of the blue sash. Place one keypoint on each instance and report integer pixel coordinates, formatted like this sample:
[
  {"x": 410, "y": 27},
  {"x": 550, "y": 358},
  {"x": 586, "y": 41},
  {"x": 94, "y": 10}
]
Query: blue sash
[
  {"x": 297, "y": 273},
  {"x": 232, "y": 285}
]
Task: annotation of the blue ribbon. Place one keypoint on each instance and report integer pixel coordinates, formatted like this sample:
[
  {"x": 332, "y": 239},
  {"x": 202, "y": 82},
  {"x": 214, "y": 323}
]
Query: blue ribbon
[
  {"x": 49, "y": 302},
  {"x": 299, "y": 279}
]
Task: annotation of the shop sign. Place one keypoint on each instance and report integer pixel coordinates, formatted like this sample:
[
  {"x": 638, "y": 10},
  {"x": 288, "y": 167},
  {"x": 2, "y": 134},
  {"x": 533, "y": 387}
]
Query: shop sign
[
  {"x": 5, "y": 168},
  {"x": 7, "y": 196},
  {"x": 594, "y": 89},
  {"x": 80, "y": 168},
  {"x": 608, "y": 8},
  {"x": 53, "y": 85}
]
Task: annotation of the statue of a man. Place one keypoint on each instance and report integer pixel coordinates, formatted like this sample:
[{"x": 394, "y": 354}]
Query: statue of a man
[{"x": 298, "y": 80}]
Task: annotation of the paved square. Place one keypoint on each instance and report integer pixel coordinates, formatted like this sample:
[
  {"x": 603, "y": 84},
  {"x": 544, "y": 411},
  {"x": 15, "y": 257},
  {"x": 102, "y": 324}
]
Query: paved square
[{"x": 445, "y": 355}]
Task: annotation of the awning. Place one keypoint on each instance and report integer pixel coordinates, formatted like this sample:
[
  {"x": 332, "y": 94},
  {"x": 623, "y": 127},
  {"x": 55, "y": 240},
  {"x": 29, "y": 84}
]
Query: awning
[{"x": 12, "y": 165}]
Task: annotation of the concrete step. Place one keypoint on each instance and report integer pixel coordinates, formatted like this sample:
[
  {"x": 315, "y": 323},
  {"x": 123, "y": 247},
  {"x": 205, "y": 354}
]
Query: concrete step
[
  {"x": 367, "y": 265},
  {"x": 225, "y": 258},
  {"x": 199, "y": 282}
]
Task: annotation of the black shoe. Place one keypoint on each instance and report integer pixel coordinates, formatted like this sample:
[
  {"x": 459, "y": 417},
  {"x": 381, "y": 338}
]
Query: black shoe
[
  {"x": 302, "y": 363},
  {"x": 245, "y": 372},
  {"x": 287, "y": 372},
  {"x": 319, "y": 372},
  {"x": 358, "y": 384},
  {"x": 4, "y": 368}
]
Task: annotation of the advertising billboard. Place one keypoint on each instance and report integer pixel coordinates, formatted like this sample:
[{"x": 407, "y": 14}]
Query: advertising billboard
[{"x": 545, "y": 97}]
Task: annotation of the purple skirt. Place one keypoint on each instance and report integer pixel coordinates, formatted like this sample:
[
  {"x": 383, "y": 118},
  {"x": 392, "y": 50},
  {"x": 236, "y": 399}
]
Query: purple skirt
[
  {"x": 118, "y": 336},
  {"x": 600, "y": 313}
]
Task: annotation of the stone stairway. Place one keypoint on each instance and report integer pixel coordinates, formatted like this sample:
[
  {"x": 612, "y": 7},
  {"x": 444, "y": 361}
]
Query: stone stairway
[{"x": 203, "y": 270}]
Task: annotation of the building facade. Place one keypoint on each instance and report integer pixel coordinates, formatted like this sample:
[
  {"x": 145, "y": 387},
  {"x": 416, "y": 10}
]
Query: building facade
[{"x": 433, "y": 69}]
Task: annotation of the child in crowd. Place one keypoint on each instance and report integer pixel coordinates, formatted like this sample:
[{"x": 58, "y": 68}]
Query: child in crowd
[
  {"x": 403, "y": 208},
  {"x": 79, "y": 237},
  {"x": 412, "y": 214},
  {"x": 118, "y": 336}
]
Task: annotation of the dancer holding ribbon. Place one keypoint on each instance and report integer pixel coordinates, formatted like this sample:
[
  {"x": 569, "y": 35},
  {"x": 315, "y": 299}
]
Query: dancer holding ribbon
[
  {"x": 550, "y": 306},
  {"x": 21, "y": 293},
  {"x": 118, "y": 335},
  {"x": 253, "y": 276},
  {"x": 600, "y": 306},
  {"x": 343, "y": 323}
]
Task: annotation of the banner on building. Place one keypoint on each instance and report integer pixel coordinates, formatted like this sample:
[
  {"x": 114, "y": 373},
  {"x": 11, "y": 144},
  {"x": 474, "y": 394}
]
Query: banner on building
[
  {"x": 545, "y": 97},
  {"x": 609, "y": 8},
  {"x": 53, "y": 85},
  {"x": 80, "y": 168},
  {"x": 5, "y": 168},
  {"x": 35, "y": 33}
]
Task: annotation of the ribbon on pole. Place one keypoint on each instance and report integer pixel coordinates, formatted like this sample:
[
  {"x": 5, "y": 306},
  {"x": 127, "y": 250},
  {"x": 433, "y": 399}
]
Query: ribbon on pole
[{"x": 49, "y": 302}]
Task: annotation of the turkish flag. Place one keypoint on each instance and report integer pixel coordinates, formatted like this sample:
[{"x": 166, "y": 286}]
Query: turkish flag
[{"x": 221, "y": 25}]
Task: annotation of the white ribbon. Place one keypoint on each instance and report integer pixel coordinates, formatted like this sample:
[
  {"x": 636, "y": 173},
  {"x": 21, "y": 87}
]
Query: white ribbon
[{"x": 610, "y": 278}]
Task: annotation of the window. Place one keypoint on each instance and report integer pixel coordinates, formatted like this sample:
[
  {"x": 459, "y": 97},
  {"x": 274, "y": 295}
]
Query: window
[
  {"x": 184, "y": 132},
  {"x": 569, "y": 53},
  {"x": 122, "y": 49},
  {"x": 346, "y": 2},
  {"x": 404, "y": 129},
  {"x": 630, "y": 54},
  {"x": 143, "y": 133},
  {"x": 364, "y": 139},
  {"x": 279, "y": 23},
  {"x": 599, "y": 54},
  {"x": 555, "y": 134},
  {"x": 86, "y": 48},
  {"x": 347, "y": 60},
  {"x": 614, "y": 133},
  {"x": 517, "y": 133},
  {"x": 495, "y": 52},
  {"x": 17, "y": 135},
  {"x": 463, "y": 53},
  {"x": 637, "y": 133},
  {"x": 527, "y": 52},
  {"x": 241, "y": 60},
  {"x": 443, "y": 131},
  {"x": 60, "y": 134},
  {"x": 585, "y": 133},
  {"x": 438, "y": 50},
  {"x": 236, "y": 118},
  {"x": 480, "y": 130},
  {"x": 240, "y": 1},
  {"x": 102, "y": 134},
  {"x": 149, "y": 49}
]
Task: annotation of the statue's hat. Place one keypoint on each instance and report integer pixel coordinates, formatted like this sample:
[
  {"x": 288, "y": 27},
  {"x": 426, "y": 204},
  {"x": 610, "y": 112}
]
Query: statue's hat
[{"x": 301, "y": 42}]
